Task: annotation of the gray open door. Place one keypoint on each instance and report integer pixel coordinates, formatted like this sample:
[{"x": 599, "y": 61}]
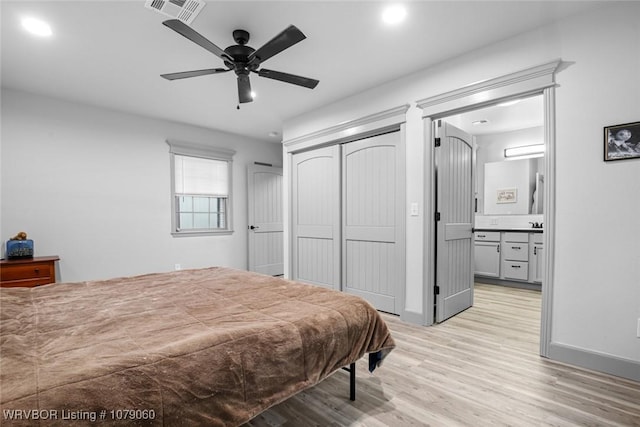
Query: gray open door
[{"x": 454, "y": 216}]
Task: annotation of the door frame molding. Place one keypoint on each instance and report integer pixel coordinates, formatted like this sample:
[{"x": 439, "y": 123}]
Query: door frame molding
[{"x": 531, "y": 81}]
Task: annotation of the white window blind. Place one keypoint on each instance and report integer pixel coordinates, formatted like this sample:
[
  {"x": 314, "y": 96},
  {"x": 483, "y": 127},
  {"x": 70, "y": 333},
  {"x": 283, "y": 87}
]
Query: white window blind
[{"x": 199, "y": 176}]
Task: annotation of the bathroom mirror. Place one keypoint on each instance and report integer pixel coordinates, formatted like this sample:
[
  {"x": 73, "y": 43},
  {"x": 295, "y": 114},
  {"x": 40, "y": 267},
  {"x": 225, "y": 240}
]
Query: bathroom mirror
[{"x": 506, "y": 186}]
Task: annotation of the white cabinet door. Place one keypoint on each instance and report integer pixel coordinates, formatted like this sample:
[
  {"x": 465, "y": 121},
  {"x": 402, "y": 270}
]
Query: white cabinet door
[
  {"x": 537, "y": 263},
  {"x": 315, "y": 212},
  {"x": 487, "y": 259}
]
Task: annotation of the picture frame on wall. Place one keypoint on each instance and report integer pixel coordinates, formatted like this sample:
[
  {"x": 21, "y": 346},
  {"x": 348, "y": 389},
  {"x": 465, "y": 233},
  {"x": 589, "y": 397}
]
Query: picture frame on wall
[
  {"x": 622, "y": 142},
  {"x": 507, "y": 195}
]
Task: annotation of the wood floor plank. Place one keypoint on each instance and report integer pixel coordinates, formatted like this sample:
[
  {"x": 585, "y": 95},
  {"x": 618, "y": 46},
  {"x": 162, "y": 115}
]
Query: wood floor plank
[{"x": 480, "y": 368}]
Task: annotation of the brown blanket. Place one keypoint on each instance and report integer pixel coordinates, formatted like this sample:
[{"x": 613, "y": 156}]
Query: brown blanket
[{"x": 214, "y": 346}]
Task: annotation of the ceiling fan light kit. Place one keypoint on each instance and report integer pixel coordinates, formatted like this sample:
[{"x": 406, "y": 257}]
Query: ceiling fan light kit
[{"x": 243, "y": 59}]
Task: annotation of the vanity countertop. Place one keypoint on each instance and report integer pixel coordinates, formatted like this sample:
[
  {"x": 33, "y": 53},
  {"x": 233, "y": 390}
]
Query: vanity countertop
[{"x": 521, "y": 230}]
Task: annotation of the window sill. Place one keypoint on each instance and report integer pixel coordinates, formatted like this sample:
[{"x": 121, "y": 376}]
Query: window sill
[{"x": 201, "y": 233}]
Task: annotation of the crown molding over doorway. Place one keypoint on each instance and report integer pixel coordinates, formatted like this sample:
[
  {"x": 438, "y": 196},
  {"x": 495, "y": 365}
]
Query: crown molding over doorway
[{"x": 477, "y": 95}]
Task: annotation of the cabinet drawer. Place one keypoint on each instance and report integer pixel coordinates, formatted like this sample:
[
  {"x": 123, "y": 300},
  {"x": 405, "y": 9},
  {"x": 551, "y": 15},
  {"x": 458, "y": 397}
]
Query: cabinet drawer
[
  {"x": 515, "y": 270},
  {"x": 515, "y": 251},
  {"x": 28, "y": 283},
  {"x": 28, "y": 271},
  {"x": 516, "y": 237},
  {"x": 489, "y": 236},
  {"x": 537, "y": 238}
]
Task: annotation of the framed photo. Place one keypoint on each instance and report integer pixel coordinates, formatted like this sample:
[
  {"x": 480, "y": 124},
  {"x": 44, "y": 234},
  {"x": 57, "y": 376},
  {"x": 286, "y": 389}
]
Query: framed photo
[
  {"x": 507, "y": 195},
  {"x": 622, "y": 142}
]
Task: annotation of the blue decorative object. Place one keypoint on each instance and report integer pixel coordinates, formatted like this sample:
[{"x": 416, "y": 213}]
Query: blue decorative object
[{"x": 19, "y": 249}]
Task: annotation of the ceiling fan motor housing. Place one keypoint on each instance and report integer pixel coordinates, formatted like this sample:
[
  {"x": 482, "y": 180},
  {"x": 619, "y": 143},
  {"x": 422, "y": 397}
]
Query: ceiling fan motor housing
[
  {"x": 243, "y": 59},
  {"x": 240, "y": 54}
]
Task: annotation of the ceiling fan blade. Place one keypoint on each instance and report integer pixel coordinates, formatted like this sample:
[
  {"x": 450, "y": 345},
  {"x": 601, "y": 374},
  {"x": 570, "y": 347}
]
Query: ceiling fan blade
[
  {"x": 287, "y": 38},
  {"x": 196, "y": 73},
  {"x": 185, "y": 30},
  {"x": 244, "y": 89},
  {"x": 288, "y": 78}
]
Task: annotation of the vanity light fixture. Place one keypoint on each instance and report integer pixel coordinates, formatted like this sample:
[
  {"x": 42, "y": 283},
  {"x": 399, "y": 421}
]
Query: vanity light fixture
[
  {"x": 394, "y": 14},
  {"x": 536, "y": 150},
  {"x": 37, "y": 27}
]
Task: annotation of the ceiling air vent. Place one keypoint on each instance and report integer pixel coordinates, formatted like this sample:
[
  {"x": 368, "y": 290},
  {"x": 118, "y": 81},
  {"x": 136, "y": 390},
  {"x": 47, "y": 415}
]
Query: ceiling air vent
[{"x": 184, "y": 10}]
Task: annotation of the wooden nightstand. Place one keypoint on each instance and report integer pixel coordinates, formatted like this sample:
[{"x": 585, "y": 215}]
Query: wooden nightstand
[{"x": 28, "y": 272}]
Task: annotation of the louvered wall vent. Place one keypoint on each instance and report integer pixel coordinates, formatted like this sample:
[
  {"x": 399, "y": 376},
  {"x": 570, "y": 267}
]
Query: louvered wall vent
[{"x": 184, "y": 10}]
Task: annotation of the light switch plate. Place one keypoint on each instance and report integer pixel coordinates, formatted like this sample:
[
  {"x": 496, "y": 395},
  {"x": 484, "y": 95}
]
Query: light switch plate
[{"x": 414, "y": 209}]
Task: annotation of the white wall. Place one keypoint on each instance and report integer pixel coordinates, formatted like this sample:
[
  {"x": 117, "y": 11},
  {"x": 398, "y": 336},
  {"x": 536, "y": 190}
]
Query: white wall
[
  {"x": 596, "y": 299},
  {"x": 93, "y": 187}
]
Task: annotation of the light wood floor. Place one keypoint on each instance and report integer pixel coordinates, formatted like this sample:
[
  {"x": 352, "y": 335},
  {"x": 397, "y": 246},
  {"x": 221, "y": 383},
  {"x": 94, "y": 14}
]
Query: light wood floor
[{"x": 480, "y": 368}]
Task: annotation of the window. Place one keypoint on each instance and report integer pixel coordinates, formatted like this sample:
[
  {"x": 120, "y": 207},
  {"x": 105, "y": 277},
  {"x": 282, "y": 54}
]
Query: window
[{"x": 201, "y": 189}]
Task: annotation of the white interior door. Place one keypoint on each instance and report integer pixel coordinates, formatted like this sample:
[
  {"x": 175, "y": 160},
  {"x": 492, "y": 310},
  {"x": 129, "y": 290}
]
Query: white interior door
[
  {"x": 454, "y": 206},
  {"x": 373, "y": 206},
  {"x": 266, "y": 251},
  {"x": 315, "y": 216}
]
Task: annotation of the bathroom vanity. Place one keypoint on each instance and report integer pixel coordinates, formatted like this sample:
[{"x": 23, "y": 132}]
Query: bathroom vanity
[{"x": 509, "y": 256}]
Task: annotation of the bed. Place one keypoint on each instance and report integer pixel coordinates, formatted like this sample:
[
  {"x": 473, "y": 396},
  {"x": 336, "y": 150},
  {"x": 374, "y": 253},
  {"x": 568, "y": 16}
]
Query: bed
[{"x": 213, "y": 346}]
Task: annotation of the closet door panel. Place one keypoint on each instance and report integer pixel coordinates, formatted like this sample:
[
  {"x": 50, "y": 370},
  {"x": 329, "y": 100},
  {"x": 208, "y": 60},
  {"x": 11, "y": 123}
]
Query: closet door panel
[
  {"x": 316, "y": 217},
  {"x": 372, "y": 205}
]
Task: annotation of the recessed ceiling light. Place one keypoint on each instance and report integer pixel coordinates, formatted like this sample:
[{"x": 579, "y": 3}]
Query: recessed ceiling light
[
  {"x": 480, "y": 122},
  {"x": 394, "y": 14},
  {"x": 37, "y": 27}
]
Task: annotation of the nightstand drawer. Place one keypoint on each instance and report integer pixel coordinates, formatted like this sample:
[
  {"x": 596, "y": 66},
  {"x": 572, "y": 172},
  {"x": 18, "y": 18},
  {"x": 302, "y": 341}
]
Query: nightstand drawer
[
  {"x": 28, "y": 283},
  {"x": 21, "y": 272},
  {"x": 28, "y": 272}
]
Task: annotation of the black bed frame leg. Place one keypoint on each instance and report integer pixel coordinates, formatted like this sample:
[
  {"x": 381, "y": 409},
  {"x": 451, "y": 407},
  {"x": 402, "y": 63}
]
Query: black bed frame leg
[{"x": 352, "y": 380}]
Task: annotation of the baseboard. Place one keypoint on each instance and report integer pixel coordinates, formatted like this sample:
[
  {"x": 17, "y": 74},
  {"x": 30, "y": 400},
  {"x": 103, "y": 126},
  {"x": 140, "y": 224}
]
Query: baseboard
[
  {"x": 594, "y": 361},
  {"x": 508, "y": 283},
  {"x": 412, "y": 317}
]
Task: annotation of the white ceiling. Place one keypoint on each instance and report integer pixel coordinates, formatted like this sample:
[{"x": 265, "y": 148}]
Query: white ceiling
[
  {"x": 526, "y": 113},
  {"x": 111, "y": 53}
]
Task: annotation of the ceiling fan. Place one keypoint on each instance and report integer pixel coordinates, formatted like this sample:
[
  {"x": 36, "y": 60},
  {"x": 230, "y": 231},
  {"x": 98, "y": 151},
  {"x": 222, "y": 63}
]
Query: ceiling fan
[{"x": 243, "y": 59}]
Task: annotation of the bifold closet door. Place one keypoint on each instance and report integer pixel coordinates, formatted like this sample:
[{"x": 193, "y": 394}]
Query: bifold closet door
[
  {"x": 373, "y": 206},
  {"x": 315, "y": 202}
]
